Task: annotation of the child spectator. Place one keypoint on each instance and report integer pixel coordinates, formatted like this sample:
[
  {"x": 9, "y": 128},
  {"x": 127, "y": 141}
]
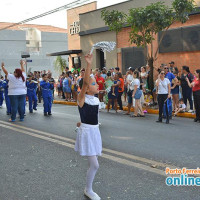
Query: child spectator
[
  {"x": 148, "y": 100},
  {"x": 182, "y": 107}
]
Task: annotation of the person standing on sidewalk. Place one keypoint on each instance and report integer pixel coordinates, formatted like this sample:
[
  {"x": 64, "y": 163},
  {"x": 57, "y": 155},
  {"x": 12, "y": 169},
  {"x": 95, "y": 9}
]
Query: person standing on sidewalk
[
  {"x": 164, "y": 92},
  {"x": 113, "y": 94},
  {"x": 175, "y": 91},
  {"x": 67, "y": 87},
  {"x": 120, "y": 91},
  {"x": 137, "y": 93},
  {"x": 16, "y": 91},
  {"x": 186, "y": 90},
  {"x": 130, "y": 89},
  {"x": 195, "y": 85},
  {"x": 101, "y": 82},
  {"x": 171, "y": 78},
  {"x": 144, "y": 76}
]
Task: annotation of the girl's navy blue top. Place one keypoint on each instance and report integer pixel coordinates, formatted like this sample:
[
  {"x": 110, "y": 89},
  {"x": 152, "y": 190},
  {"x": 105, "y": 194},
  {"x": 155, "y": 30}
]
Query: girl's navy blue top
[{"x": 90, "y": 110}]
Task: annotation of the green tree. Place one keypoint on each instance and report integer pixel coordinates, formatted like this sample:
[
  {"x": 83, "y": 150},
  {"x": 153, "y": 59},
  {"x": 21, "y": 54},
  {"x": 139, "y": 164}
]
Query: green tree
[
  {"x": 146, "y": 22},
  {"x": 60, "y": 64}
]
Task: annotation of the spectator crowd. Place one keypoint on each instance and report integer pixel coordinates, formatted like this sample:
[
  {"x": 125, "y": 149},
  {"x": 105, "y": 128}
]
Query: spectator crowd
[{"x": 174, "y": 91}]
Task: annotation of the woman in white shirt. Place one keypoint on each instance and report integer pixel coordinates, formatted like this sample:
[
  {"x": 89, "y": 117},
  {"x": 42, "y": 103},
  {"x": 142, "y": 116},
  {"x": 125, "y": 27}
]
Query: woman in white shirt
[
  {"x": 16, "y": 91},
  {"x": 164, "y": 92},
  {"x": 137, "y": 93}
]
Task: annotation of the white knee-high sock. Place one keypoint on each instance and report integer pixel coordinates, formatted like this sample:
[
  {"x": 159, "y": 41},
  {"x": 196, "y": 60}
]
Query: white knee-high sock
[{"x": 93, "y": 167}]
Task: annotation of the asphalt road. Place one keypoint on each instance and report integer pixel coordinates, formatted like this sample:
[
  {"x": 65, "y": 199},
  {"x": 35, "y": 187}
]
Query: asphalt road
[{"x": 38, "y": 162}]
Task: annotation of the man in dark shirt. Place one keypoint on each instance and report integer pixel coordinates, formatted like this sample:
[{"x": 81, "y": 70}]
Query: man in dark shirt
[{"x": 168, "y": 74}]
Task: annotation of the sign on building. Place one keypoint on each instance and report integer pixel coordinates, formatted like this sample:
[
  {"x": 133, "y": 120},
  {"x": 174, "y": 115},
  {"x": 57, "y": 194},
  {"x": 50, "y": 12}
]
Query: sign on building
[{"x": 75, "y": 28}]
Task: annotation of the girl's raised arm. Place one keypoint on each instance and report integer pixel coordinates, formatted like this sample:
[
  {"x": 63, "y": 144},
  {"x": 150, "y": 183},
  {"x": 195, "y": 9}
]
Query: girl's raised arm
[{"x": 81, "y": 96}]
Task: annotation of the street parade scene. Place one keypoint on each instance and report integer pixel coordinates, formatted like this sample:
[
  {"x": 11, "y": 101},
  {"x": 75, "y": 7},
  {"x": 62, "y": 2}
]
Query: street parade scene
[{"x": 100, "y": 100}]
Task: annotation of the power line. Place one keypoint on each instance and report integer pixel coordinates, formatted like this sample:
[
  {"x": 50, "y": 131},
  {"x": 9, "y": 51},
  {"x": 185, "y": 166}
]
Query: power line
[{"x": 67, "y": 6}]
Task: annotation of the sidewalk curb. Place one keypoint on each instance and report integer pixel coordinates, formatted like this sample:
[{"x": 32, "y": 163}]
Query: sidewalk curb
[
  {"x": 65, "y": 103},
  {"x": 150, "y": 111}
]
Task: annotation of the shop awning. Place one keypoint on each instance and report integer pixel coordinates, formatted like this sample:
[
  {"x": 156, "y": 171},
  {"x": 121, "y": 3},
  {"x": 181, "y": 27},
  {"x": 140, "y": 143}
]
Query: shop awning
[{"x": 64, "y": 53}]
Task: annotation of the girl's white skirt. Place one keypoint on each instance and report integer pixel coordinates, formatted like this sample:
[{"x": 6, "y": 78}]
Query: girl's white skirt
[{"x": 88, "y": 140}]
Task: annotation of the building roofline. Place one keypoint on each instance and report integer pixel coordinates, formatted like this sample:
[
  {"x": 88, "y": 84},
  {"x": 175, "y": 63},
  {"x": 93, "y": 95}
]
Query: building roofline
[
  {"x": 49, "y": 28},
  {"x": 193, "y": 13},
  {"x": 106, "y": 7},
  {"x": 82, "y": 5}
]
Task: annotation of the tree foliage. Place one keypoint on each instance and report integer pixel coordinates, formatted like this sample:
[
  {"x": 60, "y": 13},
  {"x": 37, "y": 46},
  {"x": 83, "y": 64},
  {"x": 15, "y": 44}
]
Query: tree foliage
[
  {"x": 60, "y": 64},
  {"x": 146, "y": 22},
  {"x": 182, "y": 9}
]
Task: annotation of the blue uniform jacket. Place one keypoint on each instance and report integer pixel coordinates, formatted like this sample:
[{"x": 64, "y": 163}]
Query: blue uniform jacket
[
  {"x": 46, "y": 88},
  {"x": 31, "y": 88},
  {"x": 5, "y": 86},
  {"x": 1, "y": 86}
]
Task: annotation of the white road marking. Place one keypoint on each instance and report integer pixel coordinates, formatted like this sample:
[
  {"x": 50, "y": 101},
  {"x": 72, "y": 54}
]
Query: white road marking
[{"x": 52, "y": 138}]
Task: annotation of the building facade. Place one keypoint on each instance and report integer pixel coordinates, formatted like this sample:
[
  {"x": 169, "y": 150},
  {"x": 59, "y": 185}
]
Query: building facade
[
  {"x": 73, "y": 26},
  {"x": 13, "y": 43},
  {"x": 181, "y": 44}
]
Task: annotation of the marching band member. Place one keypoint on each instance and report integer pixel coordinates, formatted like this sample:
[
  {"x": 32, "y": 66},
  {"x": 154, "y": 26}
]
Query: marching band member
[
  {"x": 31, "y": 93},
  {"x": 88, "y": 141},
  {"x": 46, "y": 87},
  {"x": 7, "y": 99},
  {"x": 1, "y": 91}
]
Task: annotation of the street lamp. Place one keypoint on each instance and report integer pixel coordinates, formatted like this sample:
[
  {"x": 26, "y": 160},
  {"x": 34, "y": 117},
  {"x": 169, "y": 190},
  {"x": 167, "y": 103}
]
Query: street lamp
[{"x": 25, "y": 55}]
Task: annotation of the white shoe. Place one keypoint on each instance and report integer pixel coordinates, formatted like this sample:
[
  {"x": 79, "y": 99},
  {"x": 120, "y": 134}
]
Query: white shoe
[
  {"x": 190, "y": 111},
  {"x": 94, "y": 197}
]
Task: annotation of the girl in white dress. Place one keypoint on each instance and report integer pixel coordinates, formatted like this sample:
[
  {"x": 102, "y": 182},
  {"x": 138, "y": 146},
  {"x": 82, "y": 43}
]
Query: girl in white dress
[{"x": 88, "y": 141}]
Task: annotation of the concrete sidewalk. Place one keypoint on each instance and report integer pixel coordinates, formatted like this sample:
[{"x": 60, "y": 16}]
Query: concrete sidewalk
[{"x": 125, "y": 108}]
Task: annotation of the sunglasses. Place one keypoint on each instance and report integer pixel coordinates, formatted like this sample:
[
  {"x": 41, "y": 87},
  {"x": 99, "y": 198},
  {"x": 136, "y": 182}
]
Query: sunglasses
[
  {"x": 166, "y": 68},
  {"x": 162, "y": 73}
]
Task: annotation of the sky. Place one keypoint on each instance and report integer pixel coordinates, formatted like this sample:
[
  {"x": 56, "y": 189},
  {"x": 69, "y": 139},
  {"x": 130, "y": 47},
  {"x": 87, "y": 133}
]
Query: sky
[{"x": 19, "y": 10}]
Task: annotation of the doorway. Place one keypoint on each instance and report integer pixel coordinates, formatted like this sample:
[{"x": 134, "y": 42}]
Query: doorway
[{"x": 101, "y": 59}]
